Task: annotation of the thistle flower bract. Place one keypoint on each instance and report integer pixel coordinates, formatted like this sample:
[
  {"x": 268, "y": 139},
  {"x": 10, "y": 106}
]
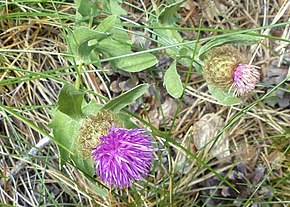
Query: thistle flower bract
[
  {"x": 123, "y": 156},
  {"x": 93, "y": 128},
  {"x": 225, "y": 69}
]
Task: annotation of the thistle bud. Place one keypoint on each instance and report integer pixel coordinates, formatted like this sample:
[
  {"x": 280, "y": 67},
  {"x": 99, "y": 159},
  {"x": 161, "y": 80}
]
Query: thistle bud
[{"x": 224, "y": 69}]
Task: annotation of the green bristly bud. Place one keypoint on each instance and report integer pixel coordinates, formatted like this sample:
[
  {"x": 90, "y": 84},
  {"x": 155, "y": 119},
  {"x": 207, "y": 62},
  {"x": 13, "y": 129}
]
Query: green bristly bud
[
  {"x": 93, "y": 128},
  {"x": 220, "y": 66},
  {"x": 225, "y": 69}
]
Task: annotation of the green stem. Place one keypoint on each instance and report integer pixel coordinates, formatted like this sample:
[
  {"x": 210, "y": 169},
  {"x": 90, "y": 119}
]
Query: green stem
[
  {"x": 186, "y": 80},
  {"x": 155, "y": 7},
  {"x": 79, "y": 77}
]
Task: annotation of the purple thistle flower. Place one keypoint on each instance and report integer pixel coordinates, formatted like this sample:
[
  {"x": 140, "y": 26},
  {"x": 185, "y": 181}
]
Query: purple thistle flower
[
  {"x": 124, "y": 155},
  {"x": 245, "y": 78},
  {"x": 224, "y": 69}
]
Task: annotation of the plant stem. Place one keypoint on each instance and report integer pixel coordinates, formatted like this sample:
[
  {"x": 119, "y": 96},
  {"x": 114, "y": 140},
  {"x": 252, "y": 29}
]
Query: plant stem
[{"x": 79, "y": 77}]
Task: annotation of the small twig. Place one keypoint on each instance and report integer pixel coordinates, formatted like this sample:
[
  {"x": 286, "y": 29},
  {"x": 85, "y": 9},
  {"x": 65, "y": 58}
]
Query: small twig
[{"x": 21, "y": 164}]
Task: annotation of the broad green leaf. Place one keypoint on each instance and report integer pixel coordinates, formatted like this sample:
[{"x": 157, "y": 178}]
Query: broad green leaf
[
  {"x": 166, "y": 16},
  {"x": 118, "y": 44},
  {"x": 128, "y": 123},
  {"x": 184, "y": 56},
  {"x": 65, "y": 130},
  {"x": 126, "y": 98},
  {"x": 85, "y": 164},
  {"x": 113, "y": 7},
  {"x": 82, "y": 35},
  {"x": 86, "y": 9},
  {"x": 172, "y": 81},
  {"x": 167, "y": 37},
  {"x": 184, "y": 51},
  {"x": 223, "y": 96},
  {"x": 120, "y": 35},
  {"x": 95, "y": 56},
  {"x": 113, "y": 48},
  {"x": 70, "y": 101},
  {"x": 246, "y": 39},
  {"x": 92, "y": 108},
  {"x": 136, "y": 63},
  {"x": 116, "y": 8},
  {"x": 80, "y": 42},
  {"x": 113, "y": 26},
  {"x": 107, "y": 24}
]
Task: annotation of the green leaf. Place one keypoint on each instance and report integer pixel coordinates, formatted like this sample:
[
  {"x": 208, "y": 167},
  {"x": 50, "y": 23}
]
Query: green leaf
[
  {"x": 116, "y": 8},
  {"x": 224, "y": 97},
  {"x": 92, "y": 108},
  {"x": 80, "y": 42},
  {"x": 172, "y": 81},
  {"x": 118, "y": 44},
  {"x": 186, "y": 54},
  {"x": 126, "y": 98},
  {"x": 70, "y": 101},
  {"x": 113, "y": 26},
  {"x": 136, "y": 63},
  {"x": 184, "y": 51},
  {"x": 107, "y": 24},
  {"x": 168, "y": 36},
  {"x": 86, "y": 9},
  {"x": 166, "y": 16},
  {"x": 246, "y": 39},
  {"x": 113, "y": 48},
  {"x": 65, "y": 130},
  {"x": 126, "y": 119},
  {"x": 84, "y": 164},
  {"x": 94, "y": 56},
  {"x": 113, "y": 7}
]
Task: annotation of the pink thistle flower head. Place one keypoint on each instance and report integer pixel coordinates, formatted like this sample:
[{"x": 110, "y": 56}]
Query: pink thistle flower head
[
  {"x": 224, "y": 69},
  {"x": 123, "y": 156},
  {"x": 245, "y": 78}
]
